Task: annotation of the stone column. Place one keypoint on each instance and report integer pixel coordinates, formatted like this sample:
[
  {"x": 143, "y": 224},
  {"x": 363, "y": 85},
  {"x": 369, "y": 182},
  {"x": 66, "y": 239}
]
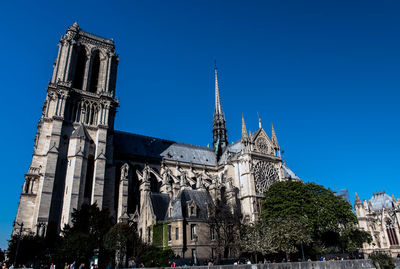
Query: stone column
[
  {"x": 75, "y": 177},
  {"x": 99, "y": 167},
  {"x": 47, "y": 184},
  {"x": 123, "y": 191},
  {"x": 55, "y": 71}
]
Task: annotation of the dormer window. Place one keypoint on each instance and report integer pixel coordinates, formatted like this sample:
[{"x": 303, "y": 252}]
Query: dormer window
[{"x": 192, "y": 209}]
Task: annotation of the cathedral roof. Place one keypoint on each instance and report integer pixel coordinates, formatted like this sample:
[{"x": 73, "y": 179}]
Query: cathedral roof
[
  {"x": 381, "y": 200},
  {"x": 287, "y": 173},
  {"x": 200, "y": 197},
  {"x": 160, "y": 202},
  {"x": 157, "y": 148},
  {"x": 230, "y": 151},
  {"x": 80, "y": 132}
]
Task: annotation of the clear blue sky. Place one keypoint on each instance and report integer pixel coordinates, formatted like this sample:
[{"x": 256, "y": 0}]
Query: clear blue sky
[{"x": 325, "y": 72}]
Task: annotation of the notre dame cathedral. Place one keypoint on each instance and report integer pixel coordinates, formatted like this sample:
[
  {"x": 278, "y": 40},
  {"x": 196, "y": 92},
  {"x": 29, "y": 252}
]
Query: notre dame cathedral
[{"x": 79, "y": 158}]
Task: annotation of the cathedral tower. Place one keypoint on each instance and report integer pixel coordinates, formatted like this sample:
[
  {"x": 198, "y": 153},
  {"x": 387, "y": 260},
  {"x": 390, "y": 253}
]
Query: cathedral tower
[
  {"x": 73, "y": 143},
  {"x": 220, "y": 138}
]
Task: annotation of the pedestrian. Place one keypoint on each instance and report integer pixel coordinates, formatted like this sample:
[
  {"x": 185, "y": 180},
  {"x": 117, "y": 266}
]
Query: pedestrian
[
  {"x": 82, "y": 266},
  {"x": 133, "y": 264},
  {"x": 66, "y": 266},
  {"x": 72, "y": 266},
  {"x": 12, "y": 266},
  {"x": 52, "y": 266}
]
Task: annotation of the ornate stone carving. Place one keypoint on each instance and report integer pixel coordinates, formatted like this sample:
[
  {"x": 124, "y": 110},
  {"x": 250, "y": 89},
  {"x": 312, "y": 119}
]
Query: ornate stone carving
[
  {"x": 265, "y": 174},
  {"x": 262, "y": 146}
]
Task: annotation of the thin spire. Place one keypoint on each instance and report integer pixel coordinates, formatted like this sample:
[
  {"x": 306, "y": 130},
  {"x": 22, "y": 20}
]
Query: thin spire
[
  {"x": 244, "y": 129},
  {"x": 259, "y": 121},
  {"x": 356, "y": 199},
  {"x": 273, "y": 136},
  {"x": 218, "y": 107}
]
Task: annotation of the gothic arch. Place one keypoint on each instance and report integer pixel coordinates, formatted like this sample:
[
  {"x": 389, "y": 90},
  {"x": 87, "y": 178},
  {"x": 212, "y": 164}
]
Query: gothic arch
[
  {"x": 94, "y": 71},
  {"x": 391, "y": 232},
  {"x": 80, "y": 67}
]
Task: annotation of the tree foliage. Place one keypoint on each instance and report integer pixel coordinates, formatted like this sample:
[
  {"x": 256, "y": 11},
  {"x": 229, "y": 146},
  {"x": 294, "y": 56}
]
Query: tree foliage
[
  {"x": 119, "y": 238},
  {"x": 257, "y": 238},
  {"x": 226, "y": 226},
  {"x": 382, "y": 260},
  {"x": 89, "y": 225},
  {"x": 313, "y": 214}
]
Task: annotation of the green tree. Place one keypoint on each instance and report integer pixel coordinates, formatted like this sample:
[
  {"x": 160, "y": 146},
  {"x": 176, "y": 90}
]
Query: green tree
[
  {"x": 224, "y": 222},
  {"x": 32, "y": 248},
  {"x": 89, "y": 225},
  {"x": 257, "y": 238},
  {"x": 153, "y": 256},
  {"x": 119, "y": 239},
  {"x": 324, "y": 220}
]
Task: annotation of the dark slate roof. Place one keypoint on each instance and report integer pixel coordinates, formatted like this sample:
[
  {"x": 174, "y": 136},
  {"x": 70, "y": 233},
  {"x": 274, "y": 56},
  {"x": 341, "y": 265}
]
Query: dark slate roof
[
  {"x": 151, "y": 147},
  {"x": 231, "y": 151},
  {"x": 200, "y": 197},
  {"x": 80, "y": 132},
  {"x": 287, "y": 173},
  {"x": 160, "y": 202}
]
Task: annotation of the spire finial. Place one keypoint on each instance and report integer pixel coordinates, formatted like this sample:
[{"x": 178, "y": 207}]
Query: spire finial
[
  {"x": 218, "y": 107},
  {"x": 273, "y": 136},
  {"x": 356, "y": 199},
  {"x": 259, "y": 121},
  {"x": 220, "y": 139},
  {"x": 244, "y": 129}
]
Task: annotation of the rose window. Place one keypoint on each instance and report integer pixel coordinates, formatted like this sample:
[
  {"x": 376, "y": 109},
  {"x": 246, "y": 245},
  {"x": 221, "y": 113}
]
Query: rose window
[{"x": 265, "y": 174}]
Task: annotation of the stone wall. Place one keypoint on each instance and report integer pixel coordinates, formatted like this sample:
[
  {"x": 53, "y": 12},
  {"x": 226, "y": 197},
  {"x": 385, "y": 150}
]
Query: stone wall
[{"x": 347, "y": 264}]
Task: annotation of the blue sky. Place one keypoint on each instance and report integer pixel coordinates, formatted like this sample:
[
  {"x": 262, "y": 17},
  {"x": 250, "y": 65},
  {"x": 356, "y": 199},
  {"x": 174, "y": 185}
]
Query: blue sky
[{"x": 325, "y": 72}]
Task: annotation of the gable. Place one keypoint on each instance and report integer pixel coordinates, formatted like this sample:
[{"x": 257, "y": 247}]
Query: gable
[{"x": 261, "y": 142}]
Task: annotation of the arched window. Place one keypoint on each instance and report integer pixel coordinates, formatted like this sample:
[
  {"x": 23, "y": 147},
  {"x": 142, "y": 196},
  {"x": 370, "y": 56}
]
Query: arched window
[
  {"x": 80, "y": 68},
  {"x": 94, "y": 75},
  {"x": 89, "y": 179},
  {"x": 391, "y": 233}
]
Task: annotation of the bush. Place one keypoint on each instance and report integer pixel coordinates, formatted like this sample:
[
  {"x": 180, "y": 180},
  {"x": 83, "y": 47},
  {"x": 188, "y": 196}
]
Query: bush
[{"x": 383, "y": 260}]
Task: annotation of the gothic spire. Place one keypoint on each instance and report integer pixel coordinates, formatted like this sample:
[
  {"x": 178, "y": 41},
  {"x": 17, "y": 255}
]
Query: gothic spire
[
  {"x": 218, "y": 107},
  {"x": 273, "y": 136},
  {"x": 220, "y": 139},
  {"x": 244, "y": 129},
  {"x": 356, "y": 199}
]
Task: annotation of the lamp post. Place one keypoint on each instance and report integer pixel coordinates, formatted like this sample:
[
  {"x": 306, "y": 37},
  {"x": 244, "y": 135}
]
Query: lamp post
[
  {"x": 195, "y": 238},
  {"x": 21, "y": 225}
]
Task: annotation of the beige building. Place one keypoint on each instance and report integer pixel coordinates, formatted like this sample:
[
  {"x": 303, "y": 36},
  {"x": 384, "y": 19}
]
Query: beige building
[
  {"x": 159, "y": 184},
  {"x": 380, "y": 217}
]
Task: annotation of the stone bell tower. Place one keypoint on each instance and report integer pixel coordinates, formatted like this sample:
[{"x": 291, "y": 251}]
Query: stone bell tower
[{"x": 73, "y": 143}]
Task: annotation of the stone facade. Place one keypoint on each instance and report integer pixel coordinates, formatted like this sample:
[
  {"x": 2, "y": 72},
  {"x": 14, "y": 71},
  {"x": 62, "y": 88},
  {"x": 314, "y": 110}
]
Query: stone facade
[
  {"x": 380, "y": 217},
  {"x": 79, "y": 158}
]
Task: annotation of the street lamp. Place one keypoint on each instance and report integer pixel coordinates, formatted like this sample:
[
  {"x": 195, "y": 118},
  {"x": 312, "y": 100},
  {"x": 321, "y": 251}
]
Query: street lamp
[
  {"x": 21, "y": 225},
  {"x": 196, "y": 239}
]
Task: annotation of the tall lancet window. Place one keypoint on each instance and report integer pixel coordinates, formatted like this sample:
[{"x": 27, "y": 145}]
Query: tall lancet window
[
  {"x": 94, "y": 76},
  {"x": 391, "y": 233},
  {"x": 80, "y": 68}
]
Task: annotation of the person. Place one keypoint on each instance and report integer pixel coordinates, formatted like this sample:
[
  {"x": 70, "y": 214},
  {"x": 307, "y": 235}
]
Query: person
[
  {"x": 66, "y": 266},
  {"x": 91, "y": 266},
  {"x": 210, "y": 263},
  {"x": 72, "y": 265},
  {"x": 82, "y": 266},
  {"x": 12, "y": 266},
  {"x": 248, "y": 262},
  {"x": 52, "y": 266},
  {"x": 133, "y": 264}
]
